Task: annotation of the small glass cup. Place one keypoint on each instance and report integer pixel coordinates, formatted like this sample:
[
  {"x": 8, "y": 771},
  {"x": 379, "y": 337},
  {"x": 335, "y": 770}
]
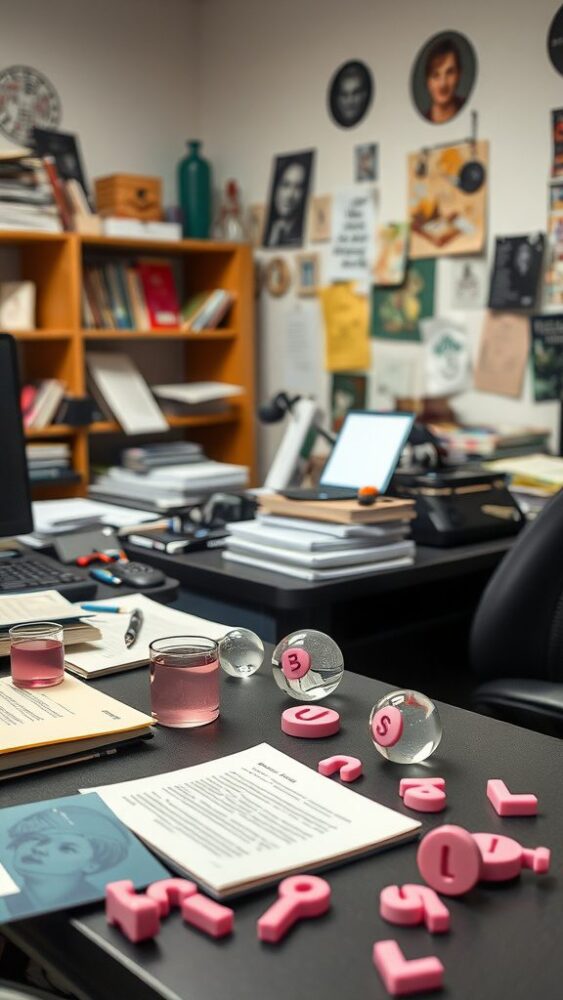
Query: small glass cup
[
  {"x": 37, "y": 654},
  {"x": 184, "y": 678}
]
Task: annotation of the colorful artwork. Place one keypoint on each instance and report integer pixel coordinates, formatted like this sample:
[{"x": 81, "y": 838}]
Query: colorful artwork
[
  {"x": 396, "y": 312},
  {"x": 348, "y": 393}
]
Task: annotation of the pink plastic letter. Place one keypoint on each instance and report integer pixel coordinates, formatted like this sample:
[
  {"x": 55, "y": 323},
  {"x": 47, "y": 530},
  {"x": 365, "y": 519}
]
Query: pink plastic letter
[
  {"x": 448, "y": 861},
  {"x": 507, "y": 804},
  {"x": 350, "y": 767},
  {"x": 408, "y": 905},
  {"x": 401, "y": 977},
  {"x": 135, "y": 915},
  {"x": 310, "y": 721},
  {"x": 170, "y": 892}
]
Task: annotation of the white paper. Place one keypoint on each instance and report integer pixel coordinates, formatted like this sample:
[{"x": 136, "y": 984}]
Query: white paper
[
  {"x": 352, "y": 249},
  {"x": 395, "y": 376},
  {"x": 446, "y": 357},
  {"x": 46, "y": 605},
  {"x": 197, "y": 392},
  {"x": 53, "y": 516},
  {"x": 301, "y": 353},
  {"x": 250, "y": 817},
  {"x": 110, "y": 652},
  {"x": 468, "y": 283},
  {"x": 126, "y": 393}
]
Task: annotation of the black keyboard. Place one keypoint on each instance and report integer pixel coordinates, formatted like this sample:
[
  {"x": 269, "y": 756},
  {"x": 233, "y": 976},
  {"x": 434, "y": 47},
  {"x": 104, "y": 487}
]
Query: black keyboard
[{"x": 27, "y": 573}]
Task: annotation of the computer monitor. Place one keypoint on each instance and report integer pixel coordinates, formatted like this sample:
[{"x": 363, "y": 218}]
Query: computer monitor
[
  {"x": 367, "y": 450},
  {"x": 15, "y": 500}
]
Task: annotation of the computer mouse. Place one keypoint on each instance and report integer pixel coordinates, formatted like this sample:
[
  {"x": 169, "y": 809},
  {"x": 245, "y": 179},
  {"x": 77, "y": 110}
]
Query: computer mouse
[{"x": 139, "y": 575}]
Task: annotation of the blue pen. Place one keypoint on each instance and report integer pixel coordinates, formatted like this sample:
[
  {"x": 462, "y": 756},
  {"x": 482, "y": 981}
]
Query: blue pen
[
  {"x": 104, "y": 576},
  {"x": 110, "y": 608}
]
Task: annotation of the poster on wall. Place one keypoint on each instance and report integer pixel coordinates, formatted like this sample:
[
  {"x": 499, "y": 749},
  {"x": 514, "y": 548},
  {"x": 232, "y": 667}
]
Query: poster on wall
[
  {"x": 547, "y": 357},
  {"x": 366, "y": 162},
  {"x": 553, "y": 276},
  {"x": 468, "y": 283},
  {"x": 503, "y": 354},
  {"x": 557, "y": 142},
  {"x": 346, "y": 323},
  {"x": 350, "y": 93},
  {"x": 391, "y": 254},
  {"x": 352, "y": 250},
  {"x": 320, "y": 225},
  {"x": 447, "y": 200},
  {"x": 443, "y": 76},
  {"x": 555, "y": 41},
  {"x": 516, "y": 271},
  {"x": 446, "y": 357},
  {"x": 396, "y": 313},
  {"x": 287, "y": 204},
  {"x": 348, "y": 392},
  {"x": 301, "y": 351}
]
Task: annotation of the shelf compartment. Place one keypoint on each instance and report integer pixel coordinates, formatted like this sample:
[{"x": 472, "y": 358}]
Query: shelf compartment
[
  {"x": 33, "y": 335},
  {"x": 195, "y": 420}
]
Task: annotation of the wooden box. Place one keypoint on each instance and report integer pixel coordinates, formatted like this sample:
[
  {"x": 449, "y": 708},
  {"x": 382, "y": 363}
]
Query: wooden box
[{"x": 130, "y": 196}]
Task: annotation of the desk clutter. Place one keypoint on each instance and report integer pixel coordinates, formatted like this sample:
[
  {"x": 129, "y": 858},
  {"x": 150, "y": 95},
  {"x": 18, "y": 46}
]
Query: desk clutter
[{"x": 319, "y": 540}]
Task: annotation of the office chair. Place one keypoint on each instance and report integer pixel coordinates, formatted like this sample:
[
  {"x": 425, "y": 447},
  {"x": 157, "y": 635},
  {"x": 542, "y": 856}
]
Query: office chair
[{"x": 516, "y": 643}]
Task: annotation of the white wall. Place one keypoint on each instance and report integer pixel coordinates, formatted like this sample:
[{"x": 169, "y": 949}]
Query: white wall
[
  {"x": 263, "y": 87},
  {"x": 126, "y": 72}
]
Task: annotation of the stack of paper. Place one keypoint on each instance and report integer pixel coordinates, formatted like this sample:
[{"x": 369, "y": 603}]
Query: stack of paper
[
  {"x": 314, "y": 550},
  {"x": 44, "y": 606},
  {"x": 172, "y": 486},
  {"x": 57, "y": 517}
]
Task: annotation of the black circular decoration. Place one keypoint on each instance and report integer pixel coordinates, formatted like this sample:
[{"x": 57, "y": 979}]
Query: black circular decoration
[
  {"x": 443, "y": 76},
  {"x": 555, "y": 41},
  {"x": 472, "y": 176},
  {"x": 27, "y": 98},
  {"x": 350, "y": 93}
]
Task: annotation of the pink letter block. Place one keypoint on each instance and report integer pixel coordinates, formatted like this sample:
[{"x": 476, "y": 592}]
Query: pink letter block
[
  {"x": 170, "y": 892},
  {"x": 299, "y": 896},
  {"x": 350, "y": 767},
  {"x": 401, "y": 977},
  {"x": 507, "y": 804},
  {"x": 310, "y": 721},
  {"x": 503, "y": 858},
  {"x": 448, "y": 861},
  {"x": 208, "y": 916},
  {"x": 295, "y": 663},
  {"x": 409, "y": 905},
  {"x": 424, "y": 794},
  {"x": 136, "y": 916}
]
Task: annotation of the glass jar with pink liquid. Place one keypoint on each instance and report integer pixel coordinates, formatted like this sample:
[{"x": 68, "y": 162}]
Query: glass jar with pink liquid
[
  {"x": 37, "y": 654},
  {"x": 184, "y": 679}
]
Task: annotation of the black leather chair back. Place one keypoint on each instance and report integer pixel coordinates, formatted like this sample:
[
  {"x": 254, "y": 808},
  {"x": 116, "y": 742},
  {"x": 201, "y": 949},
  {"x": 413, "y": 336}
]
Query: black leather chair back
[{"x": 518, "y": 627}]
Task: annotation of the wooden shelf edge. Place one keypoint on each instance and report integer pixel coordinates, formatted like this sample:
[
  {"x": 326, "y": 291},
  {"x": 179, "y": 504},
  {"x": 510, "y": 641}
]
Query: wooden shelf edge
[
  {"x": 42, "y": 334},
  {"x": 195, "y": 420},
  {"x": 221, "y": 333},
  {"x": 162, "y": 246},
  {"x": 53, "y": 430}
]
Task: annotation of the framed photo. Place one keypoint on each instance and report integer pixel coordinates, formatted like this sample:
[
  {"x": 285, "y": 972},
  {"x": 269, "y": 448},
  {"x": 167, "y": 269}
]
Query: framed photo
[
  {"x": 320, "y": 225},
  {"x": 277, "y": 277},
  {"x": 256, "y": 217},
  {"x": 443, "y": 76},
  {"x": 65, "y": 150},
  {"x": 308, "y": 270},
  {"x": 289, "y": 193},
  {"x": 350, "y": 93},
  {"x": 365, "y": 162}
]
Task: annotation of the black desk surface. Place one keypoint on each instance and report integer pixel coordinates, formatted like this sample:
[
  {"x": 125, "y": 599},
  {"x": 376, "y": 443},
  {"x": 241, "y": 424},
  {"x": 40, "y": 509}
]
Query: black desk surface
[
  {"x": 505, "y": 940},
  {"x": 207, "y": 572}
]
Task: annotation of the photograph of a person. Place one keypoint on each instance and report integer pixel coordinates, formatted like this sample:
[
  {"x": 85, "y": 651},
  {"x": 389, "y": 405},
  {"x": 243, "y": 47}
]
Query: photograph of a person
[
  {"x": 443, "y": 76},
  {"x": 516, "y": 271},
  {"x": 289, "y": 194},
  {"x": 60, "y": 855},
  {"x": 365, "y": 157},
  {"x": 350, "y": 93},
  {"x": 307, "y": 274}
]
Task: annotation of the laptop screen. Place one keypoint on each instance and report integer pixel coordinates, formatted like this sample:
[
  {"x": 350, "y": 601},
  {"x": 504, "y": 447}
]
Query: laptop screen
[{"x": 367, "y": 449}]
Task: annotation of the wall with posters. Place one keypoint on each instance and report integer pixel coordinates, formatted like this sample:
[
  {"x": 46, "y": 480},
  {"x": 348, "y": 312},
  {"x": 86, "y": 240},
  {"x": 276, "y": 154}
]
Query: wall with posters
[
  {"x": 126, "y": 75},
  {"x": 264, "y": 84}
]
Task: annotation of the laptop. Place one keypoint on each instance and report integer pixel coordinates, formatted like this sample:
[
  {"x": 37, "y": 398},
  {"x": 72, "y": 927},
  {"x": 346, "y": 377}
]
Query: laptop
[{"x": 366, "y": 453}]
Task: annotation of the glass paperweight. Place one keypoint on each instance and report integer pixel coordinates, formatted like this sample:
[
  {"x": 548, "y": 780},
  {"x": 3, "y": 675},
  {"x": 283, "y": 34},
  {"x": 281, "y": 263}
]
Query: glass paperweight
[
  {"x": 308, "y": 665},
  {"x": 241, "y": 652},
  {"x": 405, "y": 727}
]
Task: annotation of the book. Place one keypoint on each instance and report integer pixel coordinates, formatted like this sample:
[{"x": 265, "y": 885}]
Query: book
[
  {"x": 157, "y": 279},
  {"x": 345, "y": 557},
  {"x": 45, "y": 605},
  {"x": 389, "y": 529},
  {"x": 52, "y": 723},
  {"x": 59, "y": 193},
  {"x": 287, "y": 538},
  {"x": 316, "y": 575},
  {"x": 156, "y": 456},
  {"x": 17, "y": 305},
  {"x": 108, "y": 654},
  {"x": 125, "y": 392},
  {"x": 97, "y": 848},
  {"x": 46, "y": 402},
  {"x": 193, "y": 393},
  {"x": 175, "y": 542},
  {"x": 338, "y": 511},
  {"x": 244, "y": 821}
]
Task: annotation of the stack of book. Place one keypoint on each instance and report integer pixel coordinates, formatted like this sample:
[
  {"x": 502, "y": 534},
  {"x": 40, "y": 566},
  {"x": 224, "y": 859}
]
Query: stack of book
[
  {"x": 158, "y": 456},
  {"x": 464, "y": 443},
  {"x": 27, "y": 195},
  {"x": 128, "y": 295},
  {"x": 185, "y": 398},
  {"x": 206, "y": 310},
  {"x": 49, "y": 462},
  {"x": 324, "y": 540},
  {"x": 169, "y": 487},
  {"x": 40, "y": 402}
]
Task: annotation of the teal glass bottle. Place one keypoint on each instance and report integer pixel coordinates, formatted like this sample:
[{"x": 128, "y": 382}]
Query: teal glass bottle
[{"x": 194, "y": 193}]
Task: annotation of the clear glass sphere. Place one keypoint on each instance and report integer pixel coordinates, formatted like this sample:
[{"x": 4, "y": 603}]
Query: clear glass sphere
[
  {"x": 308, "y": 665},
  {"x": 241, "y": 652},
  {"x": 405, "y": 727}
]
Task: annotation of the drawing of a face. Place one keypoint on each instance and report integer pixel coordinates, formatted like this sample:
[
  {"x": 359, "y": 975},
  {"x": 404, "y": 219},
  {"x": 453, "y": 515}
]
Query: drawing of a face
[
  {"x": 523, "y": 259},
  {"x": 290, "y": 190},
  {"x": 351, "y": 97},
  {"x": 54, "y": 854}
]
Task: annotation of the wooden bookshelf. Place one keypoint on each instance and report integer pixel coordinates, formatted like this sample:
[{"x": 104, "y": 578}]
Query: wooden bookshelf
[{"x": 57, "y": 347}]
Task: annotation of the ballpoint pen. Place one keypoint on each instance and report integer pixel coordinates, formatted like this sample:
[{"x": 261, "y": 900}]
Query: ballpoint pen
[
  {"x": 109, "y": 609},
  {"x": 134, "y": 627}
]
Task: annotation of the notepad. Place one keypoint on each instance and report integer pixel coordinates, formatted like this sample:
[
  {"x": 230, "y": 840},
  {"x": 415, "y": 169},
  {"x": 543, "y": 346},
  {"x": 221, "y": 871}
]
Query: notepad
[
  {"x": 253, "y": 817},
  {"x": 44, "y": 606}
]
